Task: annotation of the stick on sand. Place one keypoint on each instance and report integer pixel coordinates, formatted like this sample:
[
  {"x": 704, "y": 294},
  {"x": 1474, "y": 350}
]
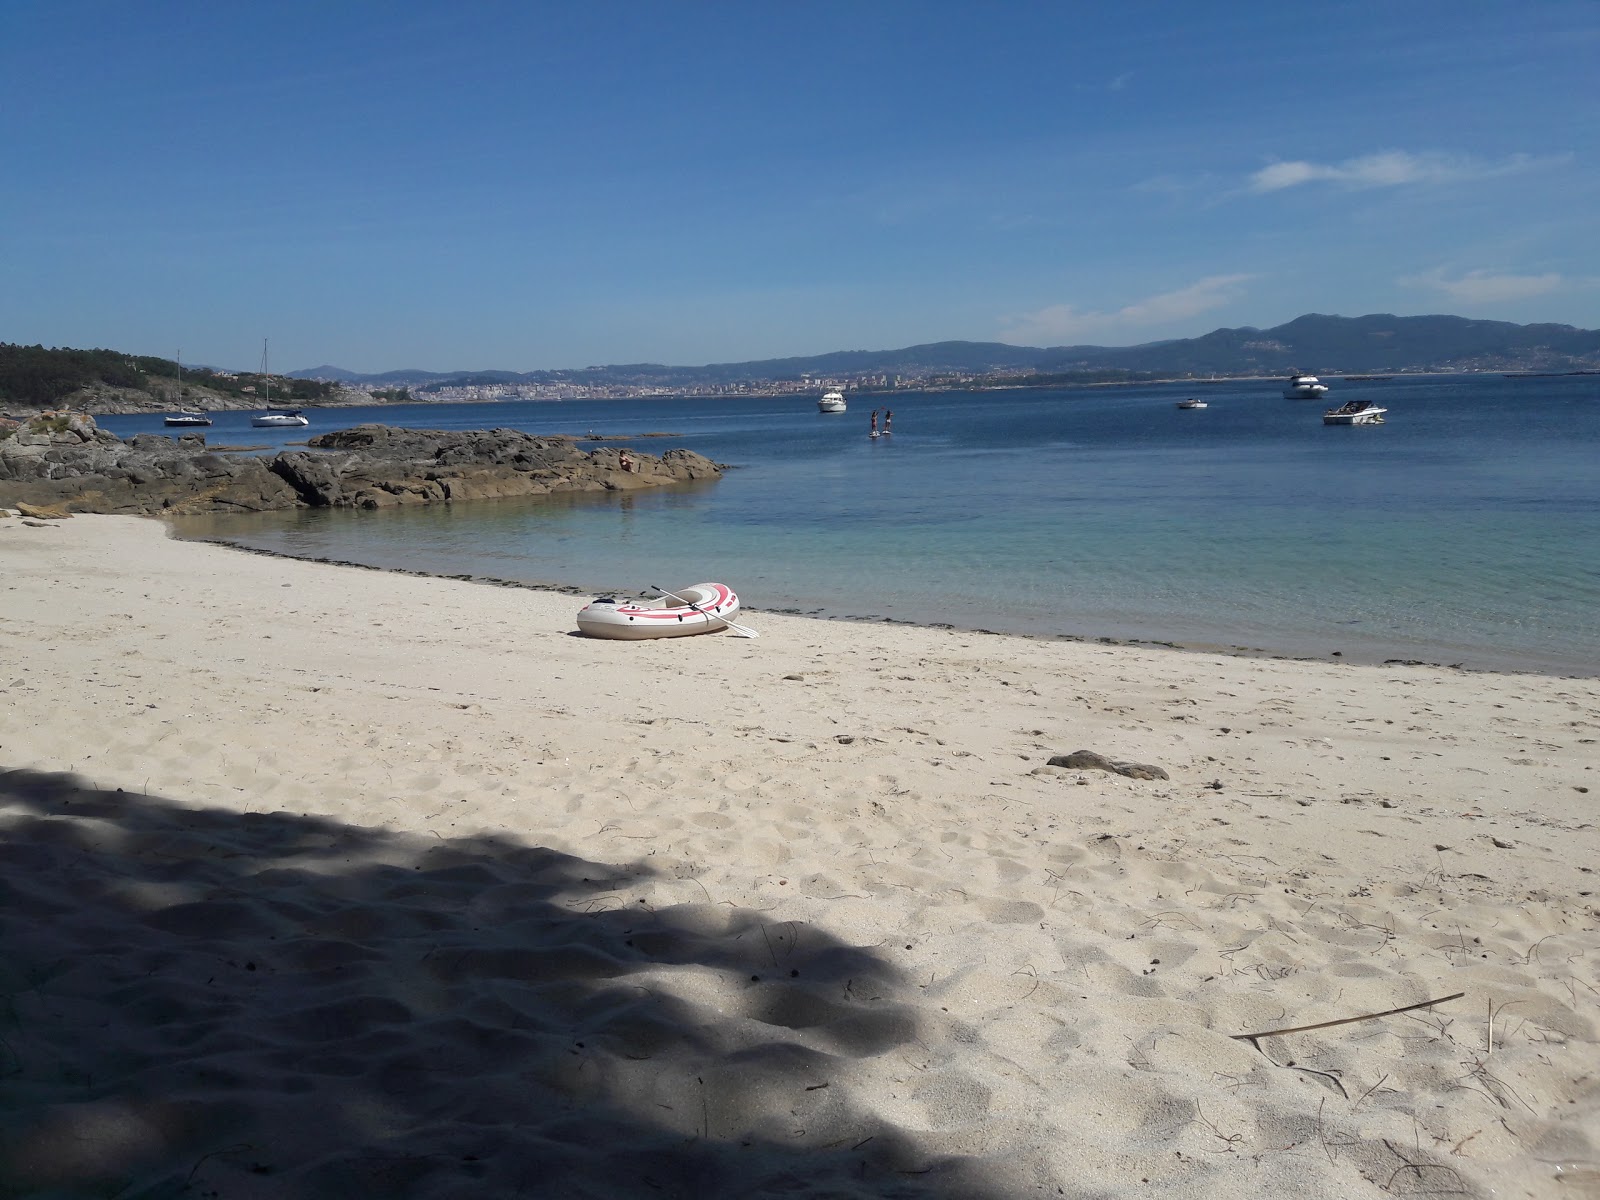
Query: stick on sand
[{"x": 1388, "y": 1012}]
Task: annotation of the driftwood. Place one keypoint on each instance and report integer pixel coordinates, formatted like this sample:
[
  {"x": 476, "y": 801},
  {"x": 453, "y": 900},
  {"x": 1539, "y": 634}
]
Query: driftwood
[{"x": 1388, "y": 1012}]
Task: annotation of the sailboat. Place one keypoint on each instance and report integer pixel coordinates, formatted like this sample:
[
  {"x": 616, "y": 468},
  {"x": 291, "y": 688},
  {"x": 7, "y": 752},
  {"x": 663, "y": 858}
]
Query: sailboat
[
  {"x": 275, "y": 418},
  {"x": 189, "y": 417}
]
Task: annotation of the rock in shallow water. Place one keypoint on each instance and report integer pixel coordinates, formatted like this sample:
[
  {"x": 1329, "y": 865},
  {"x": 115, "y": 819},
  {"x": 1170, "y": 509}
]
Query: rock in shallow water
[{"x": 71, "y": 464}]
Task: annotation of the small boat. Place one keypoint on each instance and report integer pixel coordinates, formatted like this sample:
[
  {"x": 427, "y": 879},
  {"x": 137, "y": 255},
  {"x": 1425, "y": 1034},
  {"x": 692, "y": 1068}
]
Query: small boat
[
  {"x": 275, "y": 418},
  {"x": 1191, "y": 402},
  {"x": 832, "y": 401},
  {"x": 187, "y": 418},
  {"x": 710, "y": 608},
  {"x": 1355, "y": 412},
  {"x": 1303, "y": 387}
]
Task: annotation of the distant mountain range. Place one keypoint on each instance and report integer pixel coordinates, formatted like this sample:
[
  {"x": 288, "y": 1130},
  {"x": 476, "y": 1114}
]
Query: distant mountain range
[{"x": 1321, "y": 344}]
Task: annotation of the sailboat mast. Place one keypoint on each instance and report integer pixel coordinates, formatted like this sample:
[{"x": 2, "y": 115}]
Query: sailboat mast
[{"x": 266, "y": 380}]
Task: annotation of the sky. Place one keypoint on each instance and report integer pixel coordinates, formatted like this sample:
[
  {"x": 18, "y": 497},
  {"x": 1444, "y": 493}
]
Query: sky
[{"x": 539, "y": 185}]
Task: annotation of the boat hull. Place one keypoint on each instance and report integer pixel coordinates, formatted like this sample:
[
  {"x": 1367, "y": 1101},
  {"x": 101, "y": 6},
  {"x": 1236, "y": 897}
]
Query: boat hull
[
  {"x": 1304, "y": 386},
  {"x": 279, "y": 421},
  {"x": 637, "y": 620},
  {"x": 188, "y": 422},
  {"x": 1367, "y": 416}
]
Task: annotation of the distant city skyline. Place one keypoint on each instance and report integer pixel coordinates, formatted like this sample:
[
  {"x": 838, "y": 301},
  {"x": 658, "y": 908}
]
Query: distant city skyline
[{"x": 384, "y": 186}]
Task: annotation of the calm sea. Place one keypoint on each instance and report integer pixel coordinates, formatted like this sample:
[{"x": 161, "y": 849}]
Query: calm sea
[{"x": 1466, "y": 529}]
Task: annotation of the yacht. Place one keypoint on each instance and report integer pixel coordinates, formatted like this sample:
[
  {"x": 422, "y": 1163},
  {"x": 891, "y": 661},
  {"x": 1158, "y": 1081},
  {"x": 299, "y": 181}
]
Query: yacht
[
  {"x": 832, "y": 401},
  {"x": 1191, "y": 402},
  {"x": 188, "y": 417},
  {"x": 1303, "y": 387},
  {"x": 275, "y": 418},
  {"x": 1355, "y": 412}
]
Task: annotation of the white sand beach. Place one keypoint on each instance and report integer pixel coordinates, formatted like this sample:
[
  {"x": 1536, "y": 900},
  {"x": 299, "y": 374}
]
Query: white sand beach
[{"x": 320, "y": 881}]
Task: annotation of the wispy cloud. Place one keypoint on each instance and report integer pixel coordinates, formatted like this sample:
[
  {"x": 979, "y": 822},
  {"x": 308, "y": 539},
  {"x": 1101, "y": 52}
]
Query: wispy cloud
[
  {"x": 1062, "y": 323},
  {"x": 1397, "y": 168},
  {"x": 1484, "y": 286},
  {"x": 1116, "y": 83},
  {"x": 1177, "y": 185},
  {"x": 1095, "y": 84}
]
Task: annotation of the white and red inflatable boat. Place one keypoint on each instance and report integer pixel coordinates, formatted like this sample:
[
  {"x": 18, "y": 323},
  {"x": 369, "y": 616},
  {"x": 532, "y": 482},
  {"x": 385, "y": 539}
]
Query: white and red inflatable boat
[{"x": 710, "y": 607}]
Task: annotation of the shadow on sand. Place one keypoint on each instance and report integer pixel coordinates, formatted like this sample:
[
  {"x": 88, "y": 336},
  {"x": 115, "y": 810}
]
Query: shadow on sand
[{"x": 199, "y": 1002}]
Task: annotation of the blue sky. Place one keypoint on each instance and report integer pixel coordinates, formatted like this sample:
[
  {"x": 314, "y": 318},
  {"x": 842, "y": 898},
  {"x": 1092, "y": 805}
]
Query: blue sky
[{"x": 539, "y": 185}]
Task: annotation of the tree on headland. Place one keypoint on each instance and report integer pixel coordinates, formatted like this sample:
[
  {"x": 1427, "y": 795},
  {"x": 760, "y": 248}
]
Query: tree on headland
[{"x": 34, "y": 375}]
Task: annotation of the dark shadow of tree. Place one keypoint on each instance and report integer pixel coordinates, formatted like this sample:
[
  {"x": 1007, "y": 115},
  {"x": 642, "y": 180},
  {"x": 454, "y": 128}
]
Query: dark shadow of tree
[{"x": 199, "y": 1002}]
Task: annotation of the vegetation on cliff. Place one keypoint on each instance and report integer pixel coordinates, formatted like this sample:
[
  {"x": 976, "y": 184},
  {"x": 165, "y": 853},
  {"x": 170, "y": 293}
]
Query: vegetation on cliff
[{"x": 39, "y": 377}]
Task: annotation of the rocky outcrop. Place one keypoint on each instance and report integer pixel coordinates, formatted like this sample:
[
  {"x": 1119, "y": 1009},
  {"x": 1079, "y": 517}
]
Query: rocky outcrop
[
  {"x": 163, "y": 395},
  {"x": 67, "y": 462},
  {"x": 373, "y": 466}
]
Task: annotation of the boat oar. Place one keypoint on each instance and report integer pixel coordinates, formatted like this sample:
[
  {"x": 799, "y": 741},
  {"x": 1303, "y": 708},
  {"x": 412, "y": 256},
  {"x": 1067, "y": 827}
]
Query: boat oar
[{"x": 741, "y": 630}]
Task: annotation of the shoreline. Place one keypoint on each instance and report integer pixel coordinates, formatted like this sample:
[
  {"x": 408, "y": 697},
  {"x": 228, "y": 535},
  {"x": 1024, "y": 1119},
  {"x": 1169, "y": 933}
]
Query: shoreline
[
  {"x": 1232, "y": 650},
  {"x": 155, "y": 409},
  {"x": 346, "y": 882}
]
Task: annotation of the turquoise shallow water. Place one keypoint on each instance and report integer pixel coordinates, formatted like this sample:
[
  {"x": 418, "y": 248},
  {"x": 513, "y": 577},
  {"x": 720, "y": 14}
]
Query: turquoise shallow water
[{"x": 1465, "y": 529}]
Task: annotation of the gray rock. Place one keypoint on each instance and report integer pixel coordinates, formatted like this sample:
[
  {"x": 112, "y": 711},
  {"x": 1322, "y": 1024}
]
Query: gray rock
[{"x": 70, "y": 463}]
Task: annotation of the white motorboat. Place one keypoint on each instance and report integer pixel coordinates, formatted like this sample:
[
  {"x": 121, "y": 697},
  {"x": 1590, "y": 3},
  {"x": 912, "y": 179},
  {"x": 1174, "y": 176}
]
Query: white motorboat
[
  {"x": 698, "y": 608},
  {"x": 1355, "y": 412},
  {"x": 832, "y": 401},
  {"x": 1191, "y": 402},
  {"x": 1303, "y": 387}
]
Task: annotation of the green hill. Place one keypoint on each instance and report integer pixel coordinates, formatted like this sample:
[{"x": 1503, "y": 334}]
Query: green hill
[
  {"x": 108, "y": 380},
  {"x": 37, "y": 377},
  {"x": 1371, "y": 344}
]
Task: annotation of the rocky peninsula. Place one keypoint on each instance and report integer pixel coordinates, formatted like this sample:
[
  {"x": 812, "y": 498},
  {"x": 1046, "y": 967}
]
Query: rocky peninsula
[{"x": 67, "y": 463}]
